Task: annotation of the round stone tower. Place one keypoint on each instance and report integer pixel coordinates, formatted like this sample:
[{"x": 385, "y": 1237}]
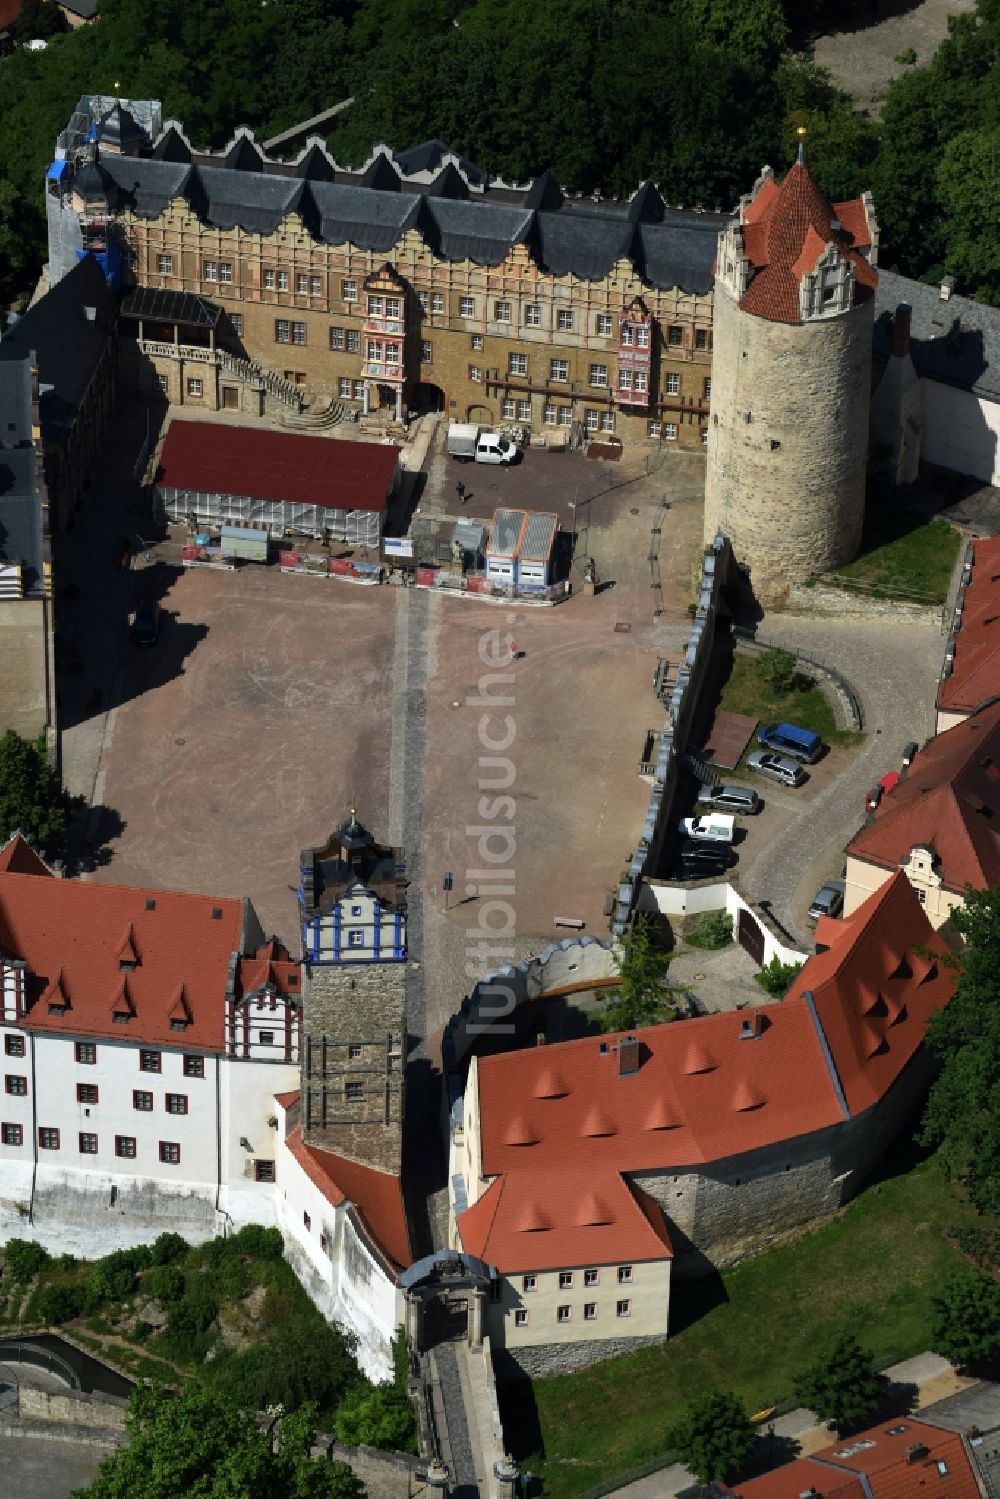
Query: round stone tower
[{"x": 791, "y": 379}]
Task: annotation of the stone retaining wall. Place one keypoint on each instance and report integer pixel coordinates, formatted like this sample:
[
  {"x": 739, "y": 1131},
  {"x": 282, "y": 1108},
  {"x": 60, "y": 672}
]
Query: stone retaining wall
[
  {"x": 822, "y": 599},
  {"x": 542, "y": 1359},
  {"x": 73, "y": 1408},
  {"x": 385, "y": 1475}
]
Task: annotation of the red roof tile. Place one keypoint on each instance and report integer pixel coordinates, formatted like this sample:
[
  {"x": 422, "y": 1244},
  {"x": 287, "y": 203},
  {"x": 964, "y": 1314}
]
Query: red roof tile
[
  {"x": 9, "y": 12},
  {"x": 949, "y": 802},
  {"x": 702, "y": 1093},
  {"x": 288, "y": 1099},
  {"x": 73, "y": 936},
  {"x": 786, "y": 227},
  {"x": 975, "y": 674},
  {"x": 881, "y": 1454},
  {"x": 18, "y": 857},
  {"x": 377, "y": 1196},
  {"x": 798, "y": 1478},
  {"x": 267, "y": 465}
]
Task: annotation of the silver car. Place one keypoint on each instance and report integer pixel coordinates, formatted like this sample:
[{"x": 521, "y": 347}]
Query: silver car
[
  {"x": 738, "y": 799},
  {"x": 829, "y": 900},
  {"x": 778, "y": 767}
]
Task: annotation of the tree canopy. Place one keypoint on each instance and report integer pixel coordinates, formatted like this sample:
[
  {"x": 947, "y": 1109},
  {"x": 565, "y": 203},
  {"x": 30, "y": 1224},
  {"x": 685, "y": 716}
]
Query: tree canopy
[
  {"x": 963, "y": 1110},
  {"x": 31, "y": 795},
  {"x": 841, "y": 1385},
  {"x": 642, "y": 991},
  {"x": 966, "y": 1318},
  {"x": 714, "y": 1437},
  {"x": 198, "y": 1444}
]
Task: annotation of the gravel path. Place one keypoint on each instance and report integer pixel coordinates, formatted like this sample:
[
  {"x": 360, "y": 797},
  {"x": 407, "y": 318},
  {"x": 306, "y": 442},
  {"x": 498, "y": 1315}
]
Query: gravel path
[
  {"x": 862, "y": 58},
  {"x": 894, "y": 670}
]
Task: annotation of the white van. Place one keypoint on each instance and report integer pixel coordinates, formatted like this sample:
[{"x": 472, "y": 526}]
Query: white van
[{"x": 492, "y": 448}]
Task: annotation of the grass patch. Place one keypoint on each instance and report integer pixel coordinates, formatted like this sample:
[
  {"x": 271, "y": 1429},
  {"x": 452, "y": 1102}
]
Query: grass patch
[
  {"x": 915, "y": 564},
  {"x": 872, "y": 1269},
  {"x": 749, "y": 691}
]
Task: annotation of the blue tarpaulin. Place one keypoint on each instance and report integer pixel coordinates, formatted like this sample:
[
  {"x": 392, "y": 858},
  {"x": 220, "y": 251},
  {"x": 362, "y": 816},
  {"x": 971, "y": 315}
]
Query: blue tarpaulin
[{"x": 57, "y": 171}]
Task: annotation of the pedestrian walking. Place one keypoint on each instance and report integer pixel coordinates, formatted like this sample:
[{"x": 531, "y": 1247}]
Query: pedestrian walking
[{"x": 460, "y": 491}]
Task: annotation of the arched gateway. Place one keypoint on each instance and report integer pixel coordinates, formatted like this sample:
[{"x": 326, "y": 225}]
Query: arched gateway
[{"x": 447, "y": 1274}]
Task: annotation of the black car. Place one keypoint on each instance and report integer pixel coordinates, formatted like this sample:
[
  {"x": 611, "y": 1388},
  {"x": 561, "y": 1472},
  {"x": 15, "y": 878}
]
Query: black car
[{"x": 146, "y": 624}]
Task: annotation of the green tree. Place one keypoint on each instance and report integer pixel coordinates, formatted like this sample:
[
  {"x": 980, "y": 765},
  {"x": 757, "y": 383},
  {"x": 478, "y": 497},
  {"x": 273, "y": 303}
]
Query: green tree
[
  {"x": 968, "y": 190},
  {"x": 378, "y": 1417},
  {"x": 778, "y": 668},
  {"x": 841, "y": 1385},
  {"x": 197, "y": 1443},
  {"x": 167, "y": 1247},
  {"x": 305, "y": 1359},
  {"x": 966, "y": 1318},
  {"x": 31, "y": 796},
  {"x": 23, "y": 1258},
  {"x": 776, "y": 977},
  {"x": 711, "y": 929},
  {"x": 642, "y": 990},
  {"x": 55, "y": 1304},
  {"x": 714, "y": 1437},
  {"x": 962, "y": 1115}
]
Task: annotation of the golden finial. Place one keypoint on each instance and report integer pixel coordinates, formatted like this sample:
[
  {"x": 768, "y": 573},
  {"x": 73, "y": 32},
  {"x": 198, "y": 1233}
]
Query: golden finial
[
  {"x": 801, "y": 133},
  {"x": 118, "y": 91}
]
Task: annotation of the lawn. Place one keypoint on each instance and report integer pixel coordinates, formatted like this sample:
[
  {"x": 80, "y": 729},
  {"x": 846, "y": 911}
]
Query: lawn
[
  {"x": 871, "y": 1269},
  {"x": 915, "y": 564},
  {"x": 748, "y": 690}
]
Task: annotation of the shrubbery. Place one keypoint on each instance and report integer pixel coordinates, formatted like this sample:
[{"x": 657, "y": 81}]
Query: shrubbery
[{"x": 24, "y": 1258}]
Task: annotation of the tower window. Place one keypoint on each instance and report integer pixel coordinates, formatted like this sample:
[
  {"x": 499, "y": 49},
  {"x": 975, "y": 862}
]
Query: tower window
[{"x": 775, "y": 444}]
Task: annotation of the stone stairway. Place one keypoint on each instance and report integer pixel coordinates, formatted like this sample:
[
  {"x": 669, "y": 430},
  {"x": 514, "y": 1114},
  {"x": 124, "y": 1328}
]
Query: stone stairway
[
  {"x": 318, "y": 418},
  {"x": 276, "y": 388}
]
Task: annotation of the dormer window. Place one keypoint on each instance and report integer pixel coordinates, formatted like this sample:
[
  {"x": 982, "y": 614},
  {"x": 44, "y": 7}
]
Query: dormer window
[
  {"x": 125, "y": 965},
  {"x": 178, "y": 1025}
]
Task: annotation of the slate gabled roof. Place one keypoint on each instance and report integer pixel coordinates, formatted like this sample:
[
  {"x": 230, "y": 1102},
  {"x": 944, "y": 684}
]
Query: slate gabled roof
[
  {"x": 975, "y": 674},
  {"x": 956, "y": 341}
]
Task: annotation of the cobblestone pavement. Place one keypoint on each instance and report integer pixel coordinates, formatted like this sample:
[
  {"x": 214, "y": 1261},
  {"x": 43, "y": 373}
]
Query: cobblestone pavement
[
  {"x": 460, "y": 1458},
  {"x": 862, "y": 59},
  {"x": 36, "y": 1468},
  {"x": 895, "y": 672}
]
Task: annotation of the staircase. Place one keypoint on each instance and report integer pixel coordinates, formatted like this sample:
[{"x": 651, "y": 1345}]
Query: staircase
[
  {"x": 275, "y": 386},
  {"x": 317, "y": 418},
  {"x": 700, "y": 768}
]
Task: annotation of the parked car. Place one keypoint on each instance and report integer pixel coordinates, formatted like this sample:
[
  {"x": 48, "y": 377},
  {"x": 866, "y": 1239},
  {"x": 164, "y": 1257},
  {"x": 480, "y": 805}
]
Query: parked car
[
  {"x": 828, "y": 901},
  {"x": 777, "y": 767},
  {"x": 146, "y": 624},
  {"x": 693, "y": 853},
  {"x": 880, "y": 789},
  {"x": 715, "y": 828},
  {"x": 738, "y": 799},
  {"x": 790, "y": 739},
  {"x": 910, "y": 752}
]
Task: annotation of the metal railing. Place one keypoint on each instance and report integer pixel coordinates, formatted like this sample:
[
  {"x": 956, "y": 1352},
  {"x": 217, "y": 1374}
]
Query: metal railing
[{"x": 852, "y": 700}]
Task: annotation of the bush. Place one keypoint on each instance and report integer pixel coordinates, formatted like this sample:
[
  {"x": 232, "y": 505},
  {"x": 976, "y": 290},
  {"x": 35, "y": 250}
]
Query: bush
[
  {"x": 261, "y": 1243},
  {"x": 142, "y": 1332},
  {"x": 712, "y": 929},
  {"x": 194, "y": 1313},
  {"x": 55, "y": 1304},
  {"x": 378, "y": 1417},
  {"x": 966, "y": 1317},
  {"x": 165, "y": 1283},
  {"x": 305, "y": 1360},
  {"x": 167, "y": 1248},
  {"x": 24, "y": 1258},
  {"x": 776, "y": 977}
]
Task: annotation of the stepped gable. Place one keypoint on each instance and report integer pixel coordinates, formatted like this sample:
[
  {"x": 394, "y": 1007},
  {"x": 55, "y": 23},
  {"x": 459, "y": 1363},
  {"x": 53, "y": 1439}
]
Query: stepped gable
[
  {"x": 545, "y": 1222},
  {"x": 376, "y": 1197},
  {"x": 786, "y": 227},
  {"x": 92, "y": 951},
  {"x": 949, "y": 803},
  {"x": 871, "y": 1043},
  {"x": 975, "y": 673}
]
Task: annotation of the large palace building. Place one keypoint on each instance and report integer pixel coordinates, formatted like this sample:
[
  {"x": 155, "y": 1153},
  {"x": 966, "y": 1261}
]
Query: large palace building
[{"x": 415, "y": 281}]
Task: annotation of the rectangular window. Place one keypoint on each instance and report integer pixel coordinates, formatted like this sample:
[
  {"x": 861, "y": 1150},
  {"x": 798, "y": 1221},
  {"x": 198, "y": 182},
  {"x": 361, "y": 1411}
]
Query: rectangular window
[
  {"x": 263, "y": 1171},
  {"x": 48, "y": 1139},
  {"x": 226, "y": 272},
  {"x": 85, "y": 1051},
  {"x": 125, "y": 1147},
  {"x": 520, "y": 1317},
  {"x": 376, "y": 306},
  {"x": 86, "y": 1093},
  {"x": 11, "y": 1134},
  {"x": 356, "y": 939},
  {"x": 149, "y": 1061},
  {"x": 564, "y": 320},
  {"x": 565, "y": 1280},
  {"x": 509, "y": 408},
  {"x": 558, "y": 369},
  {"x": 299, "y": 334},
  {"x": 517, "y": 364},
  {"x": 670, "y": 431},
  {"x": 315, "y": 286},
  {"x": 142, "y": 1100},
  {"x": 14, "y": 1046},
  {"x": 269, "y": 281},
  {"x": 426, "y": 352},
  {"x": 210, "y": 271},
  {"x": 15, "y": 1085},
  {"x": 624, "y": 1275},
  {"x": 591, "y": 419},
  {"x": 708, "y": 390},
  {"x": 642, "y": 335},
  {"x": 307, "y": 1222},
  {"x": 282, "y": 331},
  {"x": 565, "y": 416},
  {"x": 550, "y": 414},
  {"x": 476, "y": 342},
  {"x": 88, "y": 1144},
  {"x": 349, "y": 291},
  {"x": 675, "y": 335},
  {"x": 605, "y": 325},
  {"x": 501, "y": 312},
  {"x": 466, "y": 306},
  {"x": 301, "y": 284},
  {"x": 354, "y": 1092},
  {"x": 177, "y": 1103},
  {"x": 236, "y": 323},
  {"x": 598, "y": 374},
  {"x": 359, "y": 390},
  {"x": 607, "y": 421},
  {"x": 704, "y": 437},
  {"x": 165, "y": 264},
  {"x": 623, "y": 1309},
  {"x": 564, "y": 1313},
  {"x": 422, "y": 300},
  {"x": 194, "y": 1066},
  {"x": 701, "y": 338},
  {"x": 170, "y": 1153},
  {"x": 626, "y": 336},
  {"x": 641, "y": 380},
  {"x": 591, "y": 1277},
  {"x": 344, "y": 387},
  {"x": 529, "y": 1283},
  {"x": 524, "y": 411},
  {"x": 590, "y": 1311},
  {"x": 282, "y": 280},
  {"x": 624, "y": 379},
  {"x": 533, "y": 315},
  {"x": 353, "y": 341},
  {"x": 195, "y": 388},
  {"x": 266, "y": 1038},
  {"x": 392, "y": 352},
  {"x": 354, "y": 1051},
  {"x": 475, "y": 374},
  {"x": 653, "y": 428},
  {"x": 673, "y": 385},
  {"x": 336, "y": 339},
  {"x": 437, "y": 301}
]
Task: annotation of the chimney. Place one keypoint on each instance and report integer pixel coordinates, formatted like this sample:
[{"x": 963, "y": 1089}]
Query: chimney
[
  {"x": 540, "y": 1039},
  {"x": 947, "y": 287},
  {"x": 916, "y": 1452},
  {"x": 628, "y": 1056},
  {"x": 751, "y": 1026},
  {"x": 901, "y": 331}
]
